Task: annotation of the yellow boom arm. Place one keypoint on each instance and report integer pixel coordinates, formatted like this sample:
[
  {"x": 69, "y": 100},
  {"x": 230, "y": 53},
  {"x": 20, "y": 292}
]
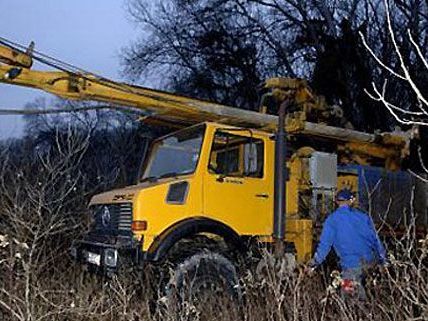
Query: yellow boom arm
[
  {"x": 15, "y": 57},
  {"x": 181, "y": 111},
  {"x": 15, "y": 70}
]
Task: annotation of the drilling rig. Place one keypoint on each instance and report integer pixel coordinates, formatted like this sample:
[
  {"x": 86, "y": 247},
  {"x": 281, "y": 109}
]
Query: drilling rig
[{"x": 224, "y": 179}]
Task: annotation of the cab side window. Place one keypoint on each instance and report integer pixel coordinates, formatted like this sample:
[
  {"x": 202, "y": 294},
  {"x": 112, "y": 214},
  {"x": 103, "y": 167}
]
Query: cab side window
[{"x": 234, "y": 155}]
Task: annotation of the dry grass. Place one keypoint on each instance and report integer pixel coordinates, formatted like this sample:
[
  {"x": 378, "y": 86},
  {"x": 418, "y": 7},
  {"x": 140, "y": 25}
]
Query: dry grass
[
  {"x": 43, "y": 211},
  {"x": 65, "y": 292}
]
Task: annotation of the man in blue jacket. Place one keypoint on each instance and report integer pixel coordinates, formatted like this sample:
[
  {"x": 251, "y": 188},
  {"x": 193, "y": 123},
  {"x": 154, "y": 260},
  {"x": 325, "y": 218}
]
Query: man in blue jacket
[{"x": 352, "y": 235}]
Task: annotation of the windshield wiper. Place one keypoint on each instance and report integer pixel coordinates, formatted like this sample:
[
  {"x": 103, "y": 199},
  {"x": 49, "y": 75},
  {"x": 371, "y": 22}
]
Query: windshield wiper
[
  {"x": 174, "y": 174},
  {"x": 150, "y": 179}
]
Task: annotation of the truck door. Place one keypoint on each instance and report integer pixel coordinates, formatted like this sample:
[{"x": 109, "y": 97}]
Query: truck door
[{"x": 237, "y": 190}]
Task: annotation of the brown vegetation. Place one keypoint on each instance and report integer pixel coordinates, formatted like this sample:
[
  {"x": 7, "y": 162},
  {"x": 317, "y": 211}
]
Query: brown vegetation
[{"x": 43, "y": 210}]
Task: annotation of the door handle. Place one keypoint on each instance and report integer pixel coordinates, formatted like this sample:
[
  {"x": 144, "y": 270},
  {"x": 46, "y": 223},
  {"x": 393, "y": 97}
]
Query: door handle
[{"x": 262, "y": 195}]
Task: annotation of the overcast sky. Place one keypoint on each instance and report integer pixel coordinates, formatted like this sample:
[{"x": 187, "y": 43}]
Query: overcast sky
[{"x": 86, "y": 33}]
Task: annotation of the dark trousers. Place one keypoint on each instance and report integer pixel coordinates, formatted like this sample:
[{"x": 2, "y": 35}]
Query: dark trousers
[{"x": 353, "y": 281}]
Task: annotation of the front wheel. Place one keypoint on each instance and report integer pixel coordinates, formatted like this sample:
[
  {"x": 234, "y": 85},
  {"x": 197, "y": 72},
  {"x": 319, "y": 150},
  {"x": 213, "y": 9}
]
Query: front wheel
[{"x": 204, "y": 278}]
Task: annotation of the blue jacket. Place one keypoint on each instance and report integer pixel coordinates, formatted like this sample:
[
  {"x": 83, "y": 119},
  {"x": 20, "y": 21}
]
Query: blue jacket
[{"x": 352, "y": 235}]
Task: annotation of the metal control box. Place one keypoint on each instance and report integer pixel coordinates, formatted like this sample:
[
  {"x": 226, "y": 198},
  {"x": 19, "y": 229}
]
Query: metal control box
[{"x": 323, "y": 170}]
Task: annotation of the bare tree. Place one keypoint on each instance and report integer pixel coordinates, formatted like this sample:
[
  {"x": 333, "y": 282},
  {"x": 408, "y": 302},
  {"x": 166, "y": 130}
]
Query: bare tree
[
  {"x": 418, "y": 115},
  {"x": 42, "y": 207},
  {"x": 222, "y": 49},
  {"x": 407, "y": 66},
  {"x": 117, "y": 140}
]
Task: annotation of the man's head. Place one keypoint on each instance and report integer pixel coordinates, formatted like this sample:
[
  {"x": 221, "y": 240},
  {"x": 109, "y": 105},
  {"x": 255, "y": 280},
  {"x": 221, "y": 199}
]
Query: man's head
[{"x": 344, "y": 197}]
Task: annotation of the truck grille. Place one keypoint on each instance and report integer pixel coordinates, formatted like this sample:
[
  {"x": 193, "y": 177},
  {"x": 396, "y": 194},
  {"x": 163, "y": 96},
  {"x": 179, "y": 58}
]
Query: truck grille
[
  {"x": 125, "y": 217},
  {"x": 112, "y": 219}
]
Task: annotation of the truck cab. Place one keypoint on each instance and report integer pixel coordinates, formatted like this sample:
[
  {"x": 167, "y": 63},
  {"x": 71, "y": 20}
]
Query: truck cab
[{"x": 209, "y": 178}]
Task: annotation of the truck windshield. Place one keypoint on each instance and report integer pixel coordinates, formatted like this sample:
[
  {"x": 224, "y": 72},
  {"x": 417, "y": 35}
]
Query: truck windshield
[{"x": 174, "y": 155}]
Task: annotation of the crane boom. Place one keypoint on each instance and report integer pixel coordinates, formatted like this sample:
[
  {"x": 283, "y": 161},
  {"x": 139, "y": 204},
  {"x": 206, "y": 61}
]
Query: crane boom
[
  {"x": 15, "y": 69},
  {"x": 162, "y": 105},
  {"x": 159, "y": 104}
]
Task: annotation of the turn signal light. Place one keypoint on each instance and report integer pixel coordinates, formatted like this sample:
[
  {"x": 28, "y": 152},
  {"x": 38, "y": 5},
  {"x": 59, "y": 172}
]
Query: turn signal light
[{"x": 139, "y": 225}]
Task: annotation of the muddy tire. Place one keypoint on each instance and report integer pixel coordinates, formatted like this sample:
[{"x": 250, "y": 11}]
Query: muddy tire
[{"x": 203, "y": 278}]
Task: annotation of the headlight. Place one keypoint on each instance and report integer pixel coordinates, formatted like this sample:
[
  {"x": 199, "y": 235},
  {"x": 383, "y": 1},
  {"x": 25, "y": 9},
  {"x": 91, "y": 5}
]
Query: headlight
[{"x": 110, "y": 258}]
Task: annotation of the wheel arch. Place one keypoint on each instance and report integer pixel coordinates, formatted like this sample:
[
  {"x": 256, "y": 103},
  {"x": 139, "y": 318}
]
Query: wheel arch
[{"x": 187, "y": 228}]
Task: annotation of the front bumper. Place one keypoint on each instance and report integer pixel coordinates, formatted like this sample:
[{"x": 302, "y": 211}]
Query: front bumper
[{"x": 108, "y": 255}]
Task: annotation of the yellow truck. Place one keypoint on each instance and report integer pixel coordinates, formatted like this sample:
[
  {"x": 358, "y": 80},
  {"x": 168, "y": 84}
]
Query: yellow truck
[{"x": 224, "y": 180}]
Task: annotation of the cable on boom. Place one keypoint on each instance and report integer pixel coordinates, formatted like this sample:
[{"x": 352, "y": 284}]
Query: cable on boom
[
  {"x": 89, "y": 76},
  {"x": 65, "y": 67},
  {"x": 16, "y": 111}
]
